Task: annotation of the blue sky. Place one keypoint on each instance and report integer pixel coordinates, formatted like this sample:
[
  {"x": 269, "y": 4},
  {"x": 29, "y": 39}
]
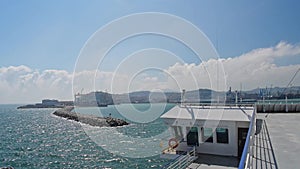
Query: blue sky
[
  {"x": 42, "y": 33},
  {"x": 42, "y": 40}
]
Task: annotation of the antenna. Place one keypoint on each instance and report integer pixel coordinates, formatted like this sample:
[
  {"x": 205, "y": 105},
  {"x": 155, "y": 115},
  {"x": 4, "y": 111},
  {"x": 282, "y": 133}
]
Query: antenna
[
  {"x": 291, "y": 81},
  {"x": 241, "y": 86},
  {"x": 218, "y": 81},
  {"x": 217, "y": 48}
]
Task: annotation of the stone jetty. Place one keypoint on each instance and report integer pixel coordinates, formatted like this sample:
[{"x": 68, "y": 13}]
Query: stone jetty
[{"x": 89, "y": 119}]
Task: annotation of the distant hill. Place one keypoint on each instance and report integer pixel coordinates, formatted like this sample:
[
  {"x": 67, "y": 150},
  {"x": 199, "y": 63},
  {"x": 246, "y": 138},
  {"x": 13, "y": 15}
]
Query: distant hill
[
  {"x": 200, "y": 95},
  {"x": 276, "y": 91}
]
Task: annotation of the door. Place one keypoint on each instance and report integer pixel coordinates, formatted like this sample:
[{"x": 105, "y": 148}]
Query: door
[
  {"x": 242, "y": 135},
  {"x": 192, "y": 137}
]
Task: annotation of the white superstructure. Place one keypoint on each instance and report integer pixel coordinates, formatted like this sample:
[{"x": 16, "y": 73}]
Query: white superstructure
[{"x": 218, "y": 130}]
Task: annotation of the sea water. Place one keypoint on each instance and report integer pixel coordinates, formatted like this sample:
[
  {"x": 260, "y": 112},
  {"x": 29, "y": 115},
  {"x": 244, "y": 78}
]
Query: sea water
[{"x": 35, "y": 138}]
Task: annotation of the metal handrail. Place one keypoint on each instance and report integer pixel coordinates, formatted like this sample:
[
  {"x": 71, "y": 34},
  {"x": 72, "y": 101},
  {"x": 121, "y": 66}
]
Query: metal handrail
[
  {"x": 175, "y": 159},
  {"x": 182, "y": 161},
  {"x": 278, "y": 101},
  {"x": 216, "y": 104},
  {"x": 245, "y": 156}
]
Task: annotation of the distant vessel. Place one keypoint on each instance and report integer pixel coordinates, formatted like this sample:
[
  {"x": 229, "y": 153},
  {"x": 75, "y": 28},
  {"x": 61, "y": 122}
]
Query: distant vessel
[
  {"x": 102, "y": 104},
  {"x": 48, "y": 103}
]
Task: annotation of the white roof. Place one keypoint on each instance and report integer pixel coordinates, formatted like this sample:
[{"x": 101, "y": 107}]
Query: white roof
[{"x": 209, "y": 113}]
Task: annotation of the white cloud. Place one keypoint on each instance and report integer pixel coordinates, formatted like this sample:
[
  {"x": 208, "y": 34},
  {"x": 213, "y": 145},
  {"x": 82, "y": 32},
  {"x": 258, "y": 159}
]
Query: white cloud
[
  {"x": 257, "y": 68},
  {"x": 253, "y": 69},
  {"x": 21, "y": 84}
]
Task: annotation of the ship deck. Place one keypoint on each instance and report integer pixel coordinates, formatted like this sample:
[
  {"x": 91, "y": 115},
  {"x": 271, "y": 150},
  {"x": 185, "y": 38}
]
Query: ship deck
[
  {"x": 284, "y": 129},
  {"x": 278, "y": 133}
]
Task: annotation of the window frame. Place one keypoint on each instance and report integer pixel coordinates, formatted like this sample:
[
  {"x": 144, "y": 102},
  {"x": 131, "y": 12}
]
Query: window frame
[
  {"x": 219, "y": 138},
  {"x": 207, "y": 139}
]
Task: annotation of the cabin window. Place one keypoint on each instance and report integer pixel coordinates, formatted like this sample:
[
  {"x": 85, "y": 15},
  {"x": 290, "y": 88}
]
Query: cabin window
[
  {"x": 207, "y": 135},
  {"x": 222, "y": 135},
  {"x": 192, "y": 137}
]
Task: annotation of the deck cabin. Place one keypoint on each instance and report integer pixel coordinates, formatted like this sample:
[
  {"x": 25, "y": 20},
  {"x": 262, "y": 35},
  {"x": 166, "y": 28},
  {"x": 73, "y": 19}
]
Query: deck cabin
[{"x": 217, "y": 130}]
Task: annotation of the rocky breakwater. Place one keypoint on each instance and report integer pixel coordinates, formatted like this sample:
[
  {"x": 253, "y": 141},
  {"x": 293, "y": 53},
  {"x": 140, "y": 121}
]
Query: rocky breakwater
[{"x": 89, "y": 119}]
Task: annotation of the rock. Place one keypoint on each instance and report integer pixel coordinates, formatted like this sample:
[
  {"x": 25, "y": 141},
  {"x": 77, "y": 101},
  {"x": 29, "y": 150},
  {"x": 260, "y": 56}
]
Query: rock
[{"x": 115, "y": 122}]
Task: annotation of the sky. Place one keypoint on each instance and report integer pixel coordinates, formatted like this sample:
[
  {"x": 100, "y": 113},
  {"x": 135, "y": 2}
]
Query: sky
[{"x": 43, "y": 43}]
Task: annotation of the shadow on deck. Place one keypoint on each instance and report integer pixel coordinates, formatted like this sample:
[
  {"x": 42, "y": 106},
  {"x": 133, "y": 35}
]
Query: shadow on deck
[
  {"x": 214, "y": 161},
  {"x": 263, "y": 154}
]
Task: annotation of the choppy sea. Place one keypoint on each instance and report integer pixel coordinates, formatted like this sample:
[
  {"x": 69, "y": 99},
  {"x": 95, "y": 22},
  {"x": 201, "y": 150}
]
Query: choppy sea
[{"x": 35, "y": 138}]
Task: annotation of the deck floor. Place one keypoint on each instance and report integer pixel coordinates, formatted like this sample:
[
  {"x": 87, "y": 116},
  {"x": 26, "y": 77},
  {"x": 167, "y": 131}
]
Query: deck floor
[{"x": 284, "y": 131}]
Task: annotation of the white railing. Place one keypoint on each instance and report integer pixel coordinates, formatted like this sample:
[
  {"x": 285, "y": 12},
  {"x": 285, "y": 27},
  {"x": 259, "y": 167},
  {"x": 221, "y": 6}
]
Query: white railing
[
  {"x": 248, "y": 147},
  {"x": 183, "y": 161}
]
